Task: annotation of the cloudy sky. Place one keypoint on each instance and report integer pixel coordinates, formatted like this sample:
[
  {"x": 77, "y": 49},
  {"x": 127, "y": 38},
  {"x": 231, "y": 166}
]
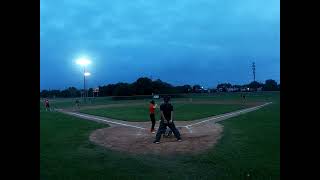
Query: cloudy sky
[{"x": 178, "y": 41}]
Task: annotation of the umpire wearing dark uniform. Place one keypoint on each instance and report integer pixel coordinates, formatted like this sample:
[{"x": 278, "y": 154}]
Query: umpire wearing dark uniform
[{"x": 166, "y": 110}]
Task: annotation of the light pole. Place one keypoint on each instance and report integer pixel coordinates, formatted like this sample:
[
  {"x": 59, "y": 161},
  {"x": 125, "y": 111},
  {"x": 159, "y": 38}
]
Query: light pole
[
  {"x": 84, "y": 83},
  {"x": 84, "y": 62}
]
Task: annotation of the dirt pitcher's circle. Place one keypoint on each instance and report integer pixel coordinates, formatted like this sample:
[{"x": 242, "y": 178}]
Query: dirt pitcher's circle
[{"x": 125, "y": 139}]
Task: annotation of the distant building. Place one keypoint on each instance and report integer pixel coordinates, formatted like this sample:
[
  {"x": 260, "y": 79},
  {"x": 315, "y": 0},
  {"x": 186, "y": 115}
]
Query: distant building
[
  {"x": 230, "y": 89},
  {"x": 220, "y": 89},
  {"x": 233, "y": 89},
  {"x": 245, "y": 89},
  {"x": 202, "y": 90}
]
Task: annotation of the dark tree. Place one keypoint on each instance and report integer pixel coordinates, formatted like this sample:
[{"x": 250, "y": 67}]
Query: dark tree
[
  {"x": 255, "y": 85},
  {"x": 270, "y": 85},
  {"x": 143, "y": 86},
  {"x": 196, "y": 88}
]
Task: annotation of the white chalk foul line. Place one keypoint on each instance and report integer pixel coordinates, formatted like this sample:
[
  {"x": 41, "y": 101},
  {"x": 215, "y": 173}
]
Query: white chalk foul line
[
  {"x": 99, "y": 119},
  {"x": 228, "y": 114},
  {"x": 190, "y": 130},
  {"x": 187, "y": 126}
]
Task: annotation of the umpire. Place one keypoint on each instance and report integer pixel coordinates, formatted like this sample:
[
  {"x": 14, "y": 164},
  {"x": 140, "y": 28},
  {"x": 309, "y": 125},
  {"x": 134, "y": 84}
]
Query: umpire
[{"x": 166, "y": 110}]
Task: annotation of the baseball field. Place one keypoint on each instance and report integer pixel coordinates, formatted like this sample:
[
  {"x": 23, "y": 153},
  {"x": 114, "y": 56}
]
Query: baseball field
[{"x": 224, "y": 137}]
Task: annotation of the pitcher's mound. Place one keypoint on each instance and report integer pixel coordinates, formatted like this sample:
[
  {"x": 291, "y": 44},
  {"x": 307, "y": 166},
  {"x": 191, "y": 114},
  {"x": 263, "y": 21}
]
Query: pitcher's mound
[{"x": 131, "y": 140}]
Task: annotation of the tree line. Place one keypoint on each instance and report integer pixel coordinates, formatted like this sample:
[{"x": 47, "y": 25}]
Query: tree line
[
  {"x": 146, "y": 86},
  {"x": 269, "y": 85}
]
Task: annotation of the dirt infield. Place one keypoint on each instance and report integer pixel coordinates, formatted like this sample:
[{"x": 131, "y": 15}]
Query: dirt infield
[
  {"x": 134, "y": 137},
  {"x": 135, "y": 141}
]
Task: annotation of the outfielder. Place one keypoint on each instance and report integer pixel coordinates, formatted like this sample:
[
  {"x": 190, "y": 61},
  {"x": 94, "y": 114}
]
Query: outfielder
[{"x": 47, "y": 105}]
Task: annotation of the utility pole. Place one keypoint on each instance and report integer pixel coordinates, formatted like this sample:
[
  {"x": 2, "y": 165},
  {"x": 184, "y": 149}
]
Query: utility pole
[{"x": 254, "y": 71}]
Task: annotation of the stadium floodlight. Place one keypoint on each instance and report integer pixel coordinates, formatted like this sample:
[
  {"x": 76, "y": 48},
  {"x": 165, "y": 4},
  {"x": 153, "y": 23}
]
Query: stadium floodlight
[{"x": 83, "y": 61}]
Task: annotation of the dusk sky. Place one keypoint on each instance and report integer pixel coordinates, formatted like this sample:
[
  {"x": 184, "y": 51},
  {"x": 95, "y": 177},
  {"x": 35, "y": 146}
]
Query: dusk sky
[{"x": 178, "y": 41}]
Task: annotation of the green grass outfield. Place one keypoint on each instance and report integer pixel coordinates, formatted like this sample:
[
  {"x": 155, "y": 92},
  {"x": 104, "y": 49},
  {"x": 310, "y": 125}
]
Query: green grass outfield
[
  {"x": 250, "y": 145},
  {"x": 184, "y": 112},
  {"x": 250, "y": 97}
]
